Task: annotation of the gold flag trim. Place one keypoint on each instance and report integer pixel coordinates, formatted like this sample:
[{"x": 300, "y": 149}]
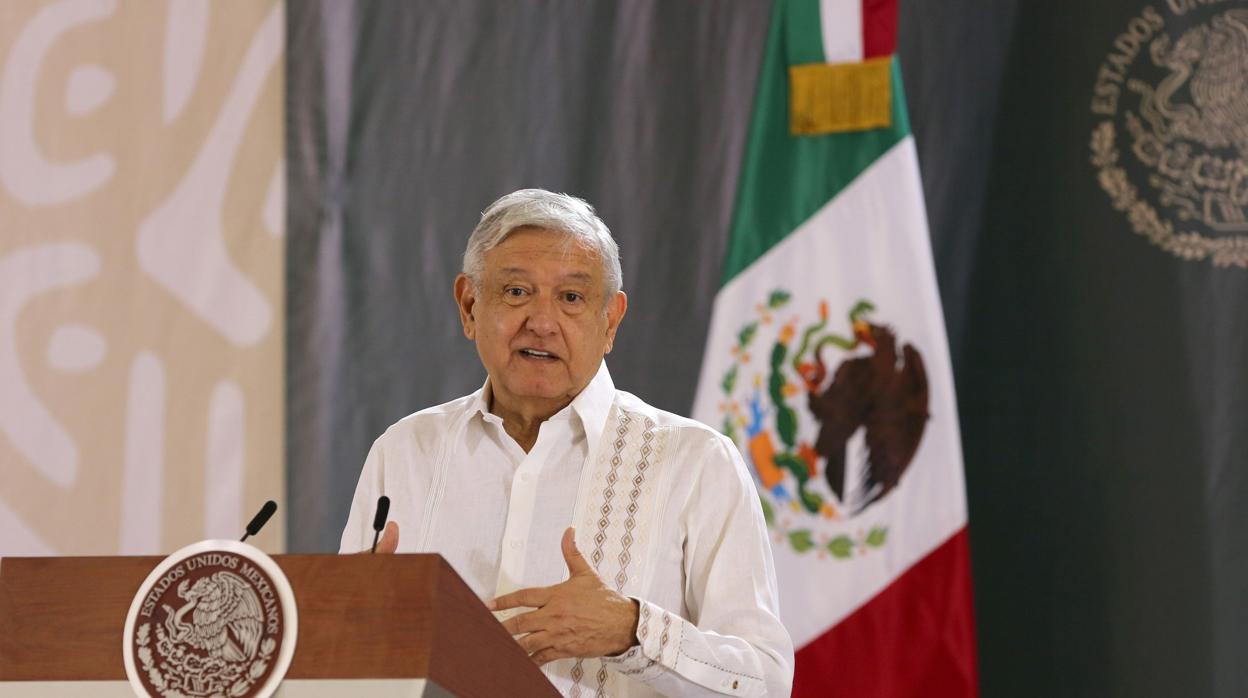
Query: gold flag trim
[{"x": 839, "y": 97}]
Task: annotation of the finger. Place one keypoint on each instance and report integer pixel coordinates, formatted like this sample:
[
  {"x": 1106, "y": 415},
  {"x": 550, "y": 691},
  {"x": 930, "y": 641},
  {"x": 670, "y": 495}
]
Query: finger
[
  {"x": 577, "y": 564},
  {"x": 548, "y": 655},
  {"x": 535, "y": 597},
  {"x": 529, "y": 622},
  {"x": 389, "y": 542},
  {"x": 536, "y": 642}
]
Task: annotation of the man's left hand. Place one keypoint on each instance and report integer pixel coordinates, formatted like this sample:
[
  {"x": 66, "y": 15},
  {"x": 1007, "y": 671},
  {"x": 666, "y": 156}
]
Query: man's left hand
[{"x": 581, "y": 617}]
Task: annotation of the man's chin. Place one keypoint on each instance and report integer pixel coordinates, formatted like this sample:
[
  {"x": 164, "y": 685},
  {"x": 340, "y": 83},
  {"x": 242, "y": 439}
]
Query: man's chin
[{"x": 541, "y": 391}]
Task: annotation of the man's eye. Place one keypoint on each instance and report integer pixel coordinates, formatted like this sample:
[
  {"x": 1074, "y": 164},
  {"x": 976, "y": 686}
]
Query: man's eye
[
  {"x": 573, "y": 297},
  {"x": 514, "y": 291}
]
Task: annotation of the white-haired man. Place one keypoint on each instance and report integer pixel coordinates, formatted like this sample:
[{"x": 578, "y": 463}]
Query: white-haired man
[{"x": 676, "y": 591}]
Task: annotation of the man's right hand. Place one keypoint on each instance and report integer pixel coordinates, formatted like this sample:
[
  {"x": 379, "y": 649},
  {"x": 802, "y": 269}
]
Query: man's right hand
[{"x": 389, "y": 541}]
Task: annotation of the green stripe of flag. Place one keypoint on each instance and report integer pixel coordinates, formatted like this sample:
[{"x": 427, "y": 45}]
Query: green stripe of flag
[
  {"x": 785, "y": 179},
  {"x": 802, "y": 33}
]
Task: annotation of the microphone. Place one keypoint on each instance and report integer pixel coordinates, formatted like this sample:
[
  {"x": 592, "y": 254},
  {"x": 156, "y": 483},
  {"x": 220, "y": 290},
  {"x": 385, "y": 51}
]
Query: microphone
[
  {"x": 260, "y": 519},
  {"x": 379, "y": 521}
]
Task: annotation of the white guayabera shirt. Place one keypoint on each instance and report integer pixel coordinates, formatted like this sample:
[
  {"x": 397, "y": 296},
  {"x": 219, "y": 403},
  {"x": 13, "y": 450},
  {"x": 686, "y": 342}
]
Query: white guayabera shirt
[{"x": 664, "y": 509}]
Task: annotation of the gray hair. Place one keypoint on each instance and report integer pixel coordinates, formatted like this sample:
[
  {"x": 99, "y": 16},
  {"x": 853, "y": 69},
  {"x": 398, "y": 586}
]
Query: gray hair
[{"x": 539, "y": 208}]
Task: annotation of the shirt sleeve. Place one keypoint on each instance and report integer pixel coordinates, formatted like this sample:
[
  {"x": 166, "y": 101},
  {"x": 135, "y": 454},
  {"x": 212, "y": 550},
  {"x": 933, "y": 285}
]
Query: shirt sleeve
[
  {"x": 357, "y": 535},
  {"x": 733, "y": 643}
]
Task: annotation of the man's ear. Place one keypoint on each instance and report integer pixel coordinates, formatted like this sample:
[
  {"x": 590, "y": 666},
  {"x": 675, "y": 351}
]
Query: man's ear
[
  {"x": 466, "y": 298},
  {"x": 616, "y": 307}
]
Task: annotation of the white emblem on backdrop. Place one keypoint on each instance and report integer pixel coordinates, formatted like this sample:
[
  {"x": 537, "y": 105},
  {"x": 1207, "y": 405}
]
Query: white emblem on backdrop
[
  {"x": 1171, "y": 143},
  {"x": 181, "y": 243},
  {"x": 24, "y": 276},
  {"x": 26, "y": 173},
  {"x": 140, "y": 271}
]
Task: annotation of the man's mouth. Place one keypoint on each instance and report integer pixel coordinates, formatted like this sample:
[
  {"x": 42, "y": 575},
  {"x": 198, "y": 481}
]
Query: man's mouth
[{"x": 538, "y": 354}]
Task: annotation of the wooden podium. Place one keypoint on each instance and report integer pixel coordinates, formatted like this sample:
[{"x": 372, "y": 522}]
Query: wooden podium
[{"x": 360, "y": 617}]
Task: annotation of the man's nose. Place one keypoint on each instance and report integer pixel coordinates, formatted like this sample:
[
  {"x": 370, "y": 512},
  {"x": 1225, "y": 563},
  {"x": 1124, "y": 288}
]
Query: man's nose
[{"x": 542, "y": 312}]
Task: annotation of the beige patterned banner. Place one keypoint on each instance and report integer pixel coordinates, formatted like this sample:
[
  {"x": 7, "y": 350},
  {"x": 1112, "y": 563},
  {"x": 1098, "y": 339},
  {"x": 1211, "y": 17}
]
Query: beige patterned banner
[{"x": 142, "y": 210}]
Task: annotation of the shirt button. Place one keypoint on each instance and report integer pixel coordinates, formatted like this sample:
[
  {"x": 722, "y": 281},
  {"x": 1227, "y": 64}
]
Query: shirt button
[
  {"x": 525, "y": 477},
  {"x": 516, "y": 545}
]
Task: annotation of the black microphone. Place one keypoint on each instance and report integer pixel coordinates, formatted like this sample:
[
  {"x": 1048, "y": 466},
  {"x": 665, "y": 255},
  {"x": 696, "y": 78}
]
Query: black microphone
[
  {"x": 260, "y": 519},
  {"x": 379, "y": 521}
]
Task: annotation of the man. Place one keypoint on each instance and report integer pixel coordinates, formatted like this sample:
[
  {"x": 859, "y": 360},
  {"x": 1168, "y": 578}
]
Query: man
[{"x": 624, "y": 546}]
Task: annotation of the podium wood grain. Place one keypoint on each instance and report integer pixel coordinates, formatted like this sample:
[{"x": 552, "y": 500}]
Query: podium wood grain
[{"x": 360, "y": 616}]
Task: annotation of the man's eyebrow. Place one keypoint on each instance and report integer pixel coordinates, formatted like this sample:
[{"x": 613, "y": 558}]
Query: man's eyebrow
[{"x": 581, "y": 276}]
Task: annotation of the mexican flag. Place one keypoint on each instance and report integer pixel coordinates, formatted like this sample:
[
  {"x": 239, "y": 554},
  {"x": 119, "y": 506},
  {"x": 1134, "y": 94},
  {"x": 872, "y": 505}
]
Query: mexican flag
[{"x": 827, "y": 363}]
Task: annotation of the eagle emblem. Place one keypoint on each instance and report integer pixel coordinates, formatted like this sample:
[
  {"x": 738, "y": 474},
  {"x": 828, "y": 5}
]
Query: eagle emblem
[
  {"x": 1171, "y": 142},
  {"x": 216, "y": 618},
  {"x": 824, "y": 444},
  {"x": 226, "y": 618}
]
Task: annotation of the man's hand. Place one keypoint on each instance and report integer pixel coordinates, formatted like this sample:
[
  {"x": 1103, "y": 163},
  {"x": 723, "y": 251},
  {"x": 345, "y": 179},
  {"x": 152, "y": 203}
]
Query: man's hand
[
  {"x": 389, "y": 541},
  {"x": 581, "y": 617}
]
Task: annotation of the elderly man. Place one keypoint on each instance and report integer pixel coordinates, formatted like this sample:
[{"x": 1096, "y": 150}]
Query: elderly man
[{"x": 624, "y": 546}]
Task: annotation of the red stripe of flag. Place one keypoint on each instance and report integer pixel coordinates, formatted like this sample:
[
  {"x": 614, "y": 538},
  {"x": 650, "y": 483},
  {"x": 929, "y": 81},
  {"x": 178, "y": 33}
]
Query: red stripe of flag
[
  {"x": 879, "y": 28},
  {"x": 915, "y": 638}
]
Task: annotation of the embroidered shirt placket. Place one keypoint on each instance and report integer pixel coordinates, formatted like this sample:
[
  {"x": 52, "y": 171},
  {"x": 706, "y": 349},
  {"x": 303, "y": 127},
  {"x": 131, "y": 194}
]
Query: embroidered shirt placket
[
  {"x": 604, "y": 521},
  {"x": 630, "y": 522}
]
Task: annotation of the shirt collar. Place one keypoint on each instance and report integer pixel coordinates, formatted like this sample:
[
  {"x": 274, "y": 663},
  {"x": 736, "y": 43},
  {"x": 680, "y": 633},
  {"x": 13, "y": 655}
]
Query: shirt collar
[
  {"x": 592, "y": 405},
  {"x": 480, "y": 403}
]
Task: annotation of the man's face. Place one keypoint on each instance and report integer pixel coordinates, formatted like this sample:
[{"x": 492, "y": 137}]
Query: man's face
[{"x": 540, "y": 318}]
